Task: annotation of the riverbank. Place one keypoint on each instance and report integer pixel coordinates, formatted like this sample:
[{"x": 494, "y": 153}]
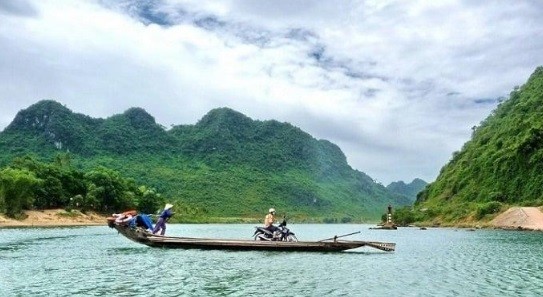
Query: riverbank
[
  {"x": 520, "y": 218},
  {"x": 54, "y": 218},
  {"x": 60, "y": 217},
  {"x": 515, "y": 218}
]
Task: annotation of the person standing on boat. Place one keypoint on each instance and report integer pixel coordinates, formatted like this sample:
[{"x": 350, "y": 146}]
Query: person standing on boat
[
  {"x": 163, "y": 218},
  {"x": 269, "y": 220}
]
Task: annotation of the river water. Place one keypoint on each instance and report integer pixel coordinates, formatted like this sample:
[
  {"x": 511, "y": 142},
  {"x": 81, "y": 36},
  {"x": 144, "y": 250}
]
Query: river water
[{"x": 96, "y": 261}]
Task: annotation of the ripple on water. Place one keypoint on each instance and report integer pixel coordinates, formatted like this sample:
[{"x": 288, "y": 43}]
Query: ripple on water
[{"x": 439, "y": 262}]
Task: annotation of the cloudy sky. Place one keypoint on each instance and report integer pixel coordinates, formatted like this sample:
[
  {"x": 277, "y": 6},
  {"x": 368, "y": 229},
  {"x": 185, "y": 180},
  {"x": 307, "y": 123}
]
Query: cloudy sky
[{"x": 396, "y": 84}]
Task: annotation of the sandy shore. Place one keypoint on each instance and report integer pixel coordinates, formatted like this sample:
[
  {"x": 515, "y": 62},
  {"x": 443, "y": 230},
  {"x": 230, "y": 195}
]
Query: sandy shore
[
  {"x": 522, "y": 218},
  {"x": 54, "y": 218},
  {"x": 519, "y": 218}
]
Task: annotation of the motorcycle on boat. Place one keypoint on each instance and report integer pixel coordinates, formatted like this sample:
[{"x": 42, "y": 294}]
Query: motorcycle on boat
[{"x": 282, "y": 233}]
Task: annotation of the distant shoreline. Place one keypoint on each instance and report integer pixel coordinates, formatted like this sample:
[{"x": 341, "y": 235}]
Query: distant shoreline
[
  {"x": 13, "y": 226},
  {"x": 52, "y": 218},
  {"x": 515, "y": 218}
]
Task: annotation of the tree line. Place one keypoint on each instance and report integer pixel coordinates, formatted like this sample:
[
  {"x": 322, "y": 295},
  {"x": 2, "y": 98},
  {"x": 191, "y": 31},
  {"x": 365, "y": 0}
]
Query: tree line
[{"x": 27, "y": 184}]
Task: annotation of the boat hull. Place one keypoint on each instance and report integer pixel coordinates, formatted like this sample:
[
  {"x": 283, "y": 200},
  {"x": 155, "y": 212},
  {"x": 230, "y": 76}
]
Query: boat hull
[{"x": 144, "y": 237}]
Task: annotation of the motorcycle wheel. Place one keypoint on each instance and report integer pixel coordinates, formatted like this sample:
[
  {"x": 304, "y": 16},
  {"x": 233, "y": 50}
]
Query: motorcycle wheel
[
  {"x": 261, "y": 236},
  {"x": 292, "y": 238}
]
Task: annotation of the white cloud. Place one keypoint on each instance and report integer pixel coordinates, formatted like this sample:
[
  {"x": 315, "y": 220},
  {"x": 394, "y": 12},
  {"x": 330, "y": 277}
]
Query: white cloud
[{"x": 393, "y": 83}]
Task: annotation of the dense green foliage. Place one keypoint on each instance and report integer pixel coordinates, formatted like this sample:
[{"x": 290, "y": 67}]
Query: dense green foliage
[
  {"x": 409, "y": 190},
  {"x": 226, "y": 165},
  {"x": 501, "y": 165},
  {"x": 16, "y": 190},
  {"x": 29, "y": 184}
]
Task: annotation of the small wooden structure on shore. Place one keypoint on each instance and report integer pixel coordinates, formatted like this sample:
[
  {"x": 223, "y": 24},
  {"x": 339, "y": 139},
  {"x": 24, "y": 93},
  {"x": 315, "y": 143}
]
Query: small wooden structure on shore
[{"x": 139, "y": 235}]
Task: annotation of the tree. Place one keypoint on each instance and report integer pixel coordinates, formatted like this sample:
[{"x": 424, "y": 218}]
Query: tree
[
  {"x": 60, "y": 182},
  {"x": 149, "y": 200},
  {"x": 110, "y": 191},
  {"x": 17, "y": 187}
]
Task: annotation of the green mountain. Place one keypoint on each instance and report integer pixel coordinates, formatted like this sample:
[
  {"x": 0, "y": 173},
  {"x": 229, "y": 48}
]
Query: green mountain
[
  {"x": 410, "y": 190},
  {"x": 226, "y": 165},
  {"x": 501, "y": 165}
]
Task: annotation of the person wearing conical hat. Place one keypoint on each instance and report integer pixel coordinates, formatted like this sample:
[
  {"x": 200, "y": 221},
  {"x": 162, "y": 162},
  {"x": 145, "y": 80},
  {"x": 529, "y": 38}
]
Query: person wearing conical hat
[{"x": 163, "y": 218}]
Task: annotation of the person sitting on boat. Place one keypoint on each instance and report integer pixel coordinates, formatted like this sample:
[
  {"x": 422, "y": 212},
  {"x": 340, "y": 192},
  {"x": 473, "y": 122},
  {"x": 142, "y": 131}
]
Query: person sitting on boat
[
  {"x": 163, "y": 218},
  {"x": 269, "y": 220},
  {"x": 124, "y": 217},
  {"x": 120, "y": 218},
  {"x": 142, "y": 221}
]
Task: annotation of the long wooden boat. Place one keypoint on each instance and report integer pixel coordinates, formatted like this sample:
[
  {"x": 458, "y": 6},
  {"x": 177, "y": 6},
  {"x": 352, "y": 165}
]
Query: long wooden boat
[{"x": 139, "y": 235}]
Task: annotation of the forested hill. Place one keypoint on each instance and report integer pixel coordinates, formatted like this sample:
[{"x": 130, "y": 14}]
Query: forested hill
[
  {"x": 501, "y": 165},
  {"x": 226, "y": 165},
  {"x": 409, "y": 190}
]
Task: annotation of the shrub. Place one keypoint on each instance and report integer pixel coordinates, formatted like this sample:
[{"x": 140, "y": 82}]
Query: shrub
[
  {"x": 346, "y": 220},
  {"x": 487, "y": 208},
  {"x": 404, "y": 216}
]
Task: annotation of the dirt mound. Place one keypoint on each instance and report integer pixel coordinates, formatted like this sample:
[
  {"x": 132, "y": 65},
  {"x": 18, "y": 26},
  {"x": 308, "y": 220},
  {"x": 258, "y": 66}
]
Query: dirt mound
[
  {"x": 525, "y": 218},
  {"x": 54, "y": 217}
]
